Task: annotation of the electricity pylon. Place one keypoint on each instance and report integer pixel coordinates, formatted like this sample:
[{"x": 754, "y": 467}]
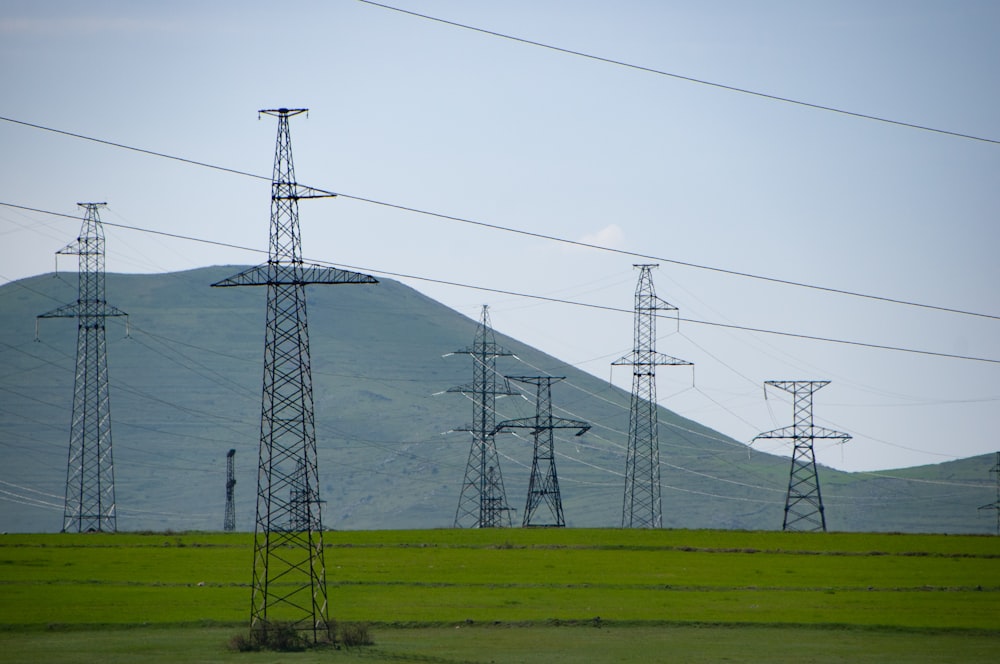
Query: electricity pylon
[
  {"x": 483, "y": 501},
  {"x": 289, "y": 573},
  {"x": 995, "y": 505},
  {"x": 543, "y": 486},
  {"x": 90, "y": 472},
  {"x": 642, "y": 506},
  {"x": 803, "y": 502},
  {"x": 229, "y": 524}
]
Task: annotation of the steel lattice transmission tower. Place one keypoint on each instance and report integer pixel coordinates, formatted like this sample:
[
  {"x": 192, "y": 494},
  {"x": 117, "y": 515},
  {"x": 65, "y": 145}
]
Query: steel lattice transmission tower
[
  {"x": 229, "y": 524},
  {"x": 995, "y": 505},
  {"x": 90, "y": 474},
  {"x": 483, "y": 501},
  {"x": 803, "y": 502},
  {"x": 289, "y": 573},
  {"x": 543, "y": 486},
  {"x": 642, "y": 506}
]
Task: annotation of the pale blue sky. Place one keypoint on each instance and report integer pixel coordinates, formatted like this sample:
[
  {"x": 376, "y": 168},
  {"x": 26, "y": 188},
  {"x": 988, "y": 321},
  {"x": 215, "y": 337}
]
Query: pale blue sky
[{"x": 426, "y": 115}]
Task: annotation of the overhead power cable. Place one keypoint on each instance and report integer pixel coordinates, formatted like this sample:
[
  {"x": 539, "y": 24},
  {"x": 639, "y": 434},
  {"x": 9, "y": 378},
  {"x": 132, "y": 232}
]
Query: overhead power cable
[
  {"x": 497, "y": 227},
  {"x": 545, "y": 298},
  {"x": 142, "y": 150},
  {"x": 681, "y": 77}
]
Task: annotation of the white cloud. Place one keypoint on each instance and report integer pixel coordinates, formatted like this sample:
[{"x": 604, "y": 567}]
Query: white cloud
[{"x": 610, "y": 236}]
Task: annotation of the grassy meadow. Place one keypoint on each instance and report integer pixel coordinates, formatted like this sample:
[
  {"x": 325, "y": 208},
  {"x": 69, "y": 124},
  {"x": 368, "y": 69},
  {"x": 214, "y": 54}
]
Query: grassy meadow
[{"x": 519, "y": 595}]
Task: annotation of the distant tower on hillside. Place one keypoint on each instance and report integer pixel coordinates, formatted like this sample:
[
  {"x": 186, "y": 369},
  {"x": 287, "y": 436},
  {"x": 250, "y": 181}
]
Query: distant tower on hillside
[
  {"x": 995, "y": 505},
  {"x": 803, "y": 502},
  {"x": 642, "y": 507},
  {"x": 483, "y": 501},
  {"x": 90, "y": 475},
  {"x": 289, "y": 573},
  {"x": 229, "y": 524},
  {"x": 543, "y": 487}
]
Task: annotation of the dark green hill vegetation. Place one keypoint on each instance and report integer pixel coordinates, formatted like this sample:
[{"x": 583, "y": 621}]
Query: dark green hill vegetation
[
  {"x": 520, "y": 595},
  {"x": 185, "y": 388}
]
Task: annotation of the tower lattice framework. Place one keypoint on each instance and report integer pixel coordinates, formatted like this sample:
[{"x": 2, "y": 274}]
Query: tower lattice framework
[
  {"x": 90, "y": 475},
  {"x": 642, "y": 506},
  {"x": 483, "y": 500},
  {"x": 803, "y": 501},
  {"x": 996, "y": 504},
  {"x": 543, "y": 485},
  {"x": 289, "y": 572},
  {"x": 229, "y": 522}
]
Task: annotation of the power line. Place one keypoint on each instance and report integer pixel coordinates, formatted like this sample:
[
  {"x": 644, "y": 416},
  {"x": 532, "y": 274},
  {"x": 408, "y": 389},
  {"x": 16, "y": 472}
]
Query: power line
[
  {"x": 634, "y": 254},
  {"x": 562, "y": 455},
  {"x": 681, "y": 77},
  {"x": 176, "y": 236},
  {"x": 589, "y": 305},
  {"x": 153, "y": 153},
  {"x": 497, "y": 227}
]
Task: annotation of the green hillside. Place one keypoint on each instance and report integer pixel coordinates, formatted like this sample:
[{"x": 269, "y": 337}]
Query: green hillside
[{"x": 186, "y": 389}]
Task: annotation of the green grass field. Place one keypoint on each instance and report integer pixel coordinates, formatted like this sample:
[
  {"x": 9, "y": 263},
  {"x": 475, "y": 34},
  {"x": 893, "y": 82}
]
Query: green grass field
[{"x": 519, "y": 596}]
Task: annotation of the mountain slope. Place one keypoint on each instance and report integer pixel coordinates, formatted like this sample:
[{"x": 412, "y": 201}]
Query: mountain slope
[{"x": 186, "y": 383}]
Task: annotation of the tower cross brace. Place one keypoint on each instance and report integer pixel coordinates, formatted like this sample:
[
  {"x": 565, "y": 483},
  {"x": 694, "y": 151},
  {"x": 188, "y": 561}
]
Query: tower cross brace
[
  {"x": 803, "y": 500},
  {"x": 642, "y": 506},
  {"x": 90, "y": 477},
  {"x": 289, "y": 571},
  {"x": 543, "y": 485},
  {"x": 483, "y": 500}
]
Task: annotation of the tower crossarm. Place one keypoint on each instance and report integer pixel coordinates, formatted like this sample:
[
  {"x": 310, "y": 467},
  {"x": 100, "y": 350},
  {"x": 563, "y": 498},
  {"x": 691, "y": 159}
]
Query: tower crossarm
[
  {"x": 273, "y": 274},
  {"x": 652, "y": 303},
  {"x": 502, "y": 389},
  {"x": 72, "y": 310},
  {"x": 292, "y": 191},
  {"x": 535, "y": 425},
  {"x": 783, "y": 432},
  {"x": 650, "y": 358},
  {"x": 791, "y": 434},
  {"x": 84, "y": 246},
  {"x": 485, "y": 349},
  {"x": 821, "y": 432},
  {"x": 797, "y": 386}
]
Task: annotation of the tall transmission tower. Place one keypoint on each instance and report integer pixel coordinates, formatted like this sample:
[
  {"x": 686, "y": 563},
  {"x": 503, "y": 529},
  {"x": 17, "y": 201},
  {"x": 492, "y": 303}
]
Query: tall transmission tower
[
  {"x": 543, "y": 486},
  {"x": 90, "y": 473},
  {"x": 483, "y": 501},
  {"x": 642, "y": 506},
  {"x": 229, "y": 524},
  {"x": 996, "y": 504},
  {"x": 803, "y": 502},
  {"x": 289, "y": 573}
]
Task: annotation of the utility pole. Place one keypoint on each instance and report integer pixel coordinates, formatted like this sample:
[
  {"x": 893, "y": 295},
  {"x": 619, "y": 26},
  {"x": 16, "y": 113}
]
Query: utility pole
[
  {"x": 90, "y": 472},
  {"x": 289, "y": 573},
  {"x": 483, "y": 501},
  {"x": 642, "y": 506},
  {"x": 995, "y": 505},
  {"x": 543, "y": 487},
  {"x": 229, "y": 524},
  {"x": 803, "y": 501}
]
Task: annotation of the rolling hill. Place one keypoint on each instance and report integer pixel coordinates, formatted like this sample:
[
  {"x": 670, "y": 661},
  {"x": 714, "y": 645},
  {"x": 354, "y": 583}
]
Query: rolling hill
[{"x": 185, "y": 388}]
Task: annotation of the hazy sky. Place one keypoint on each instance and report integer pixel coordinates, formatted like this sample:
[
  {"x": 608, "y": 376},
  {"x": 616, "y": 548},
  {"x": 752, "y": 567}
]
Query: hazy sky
[{"x": 421, "y": 114}]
